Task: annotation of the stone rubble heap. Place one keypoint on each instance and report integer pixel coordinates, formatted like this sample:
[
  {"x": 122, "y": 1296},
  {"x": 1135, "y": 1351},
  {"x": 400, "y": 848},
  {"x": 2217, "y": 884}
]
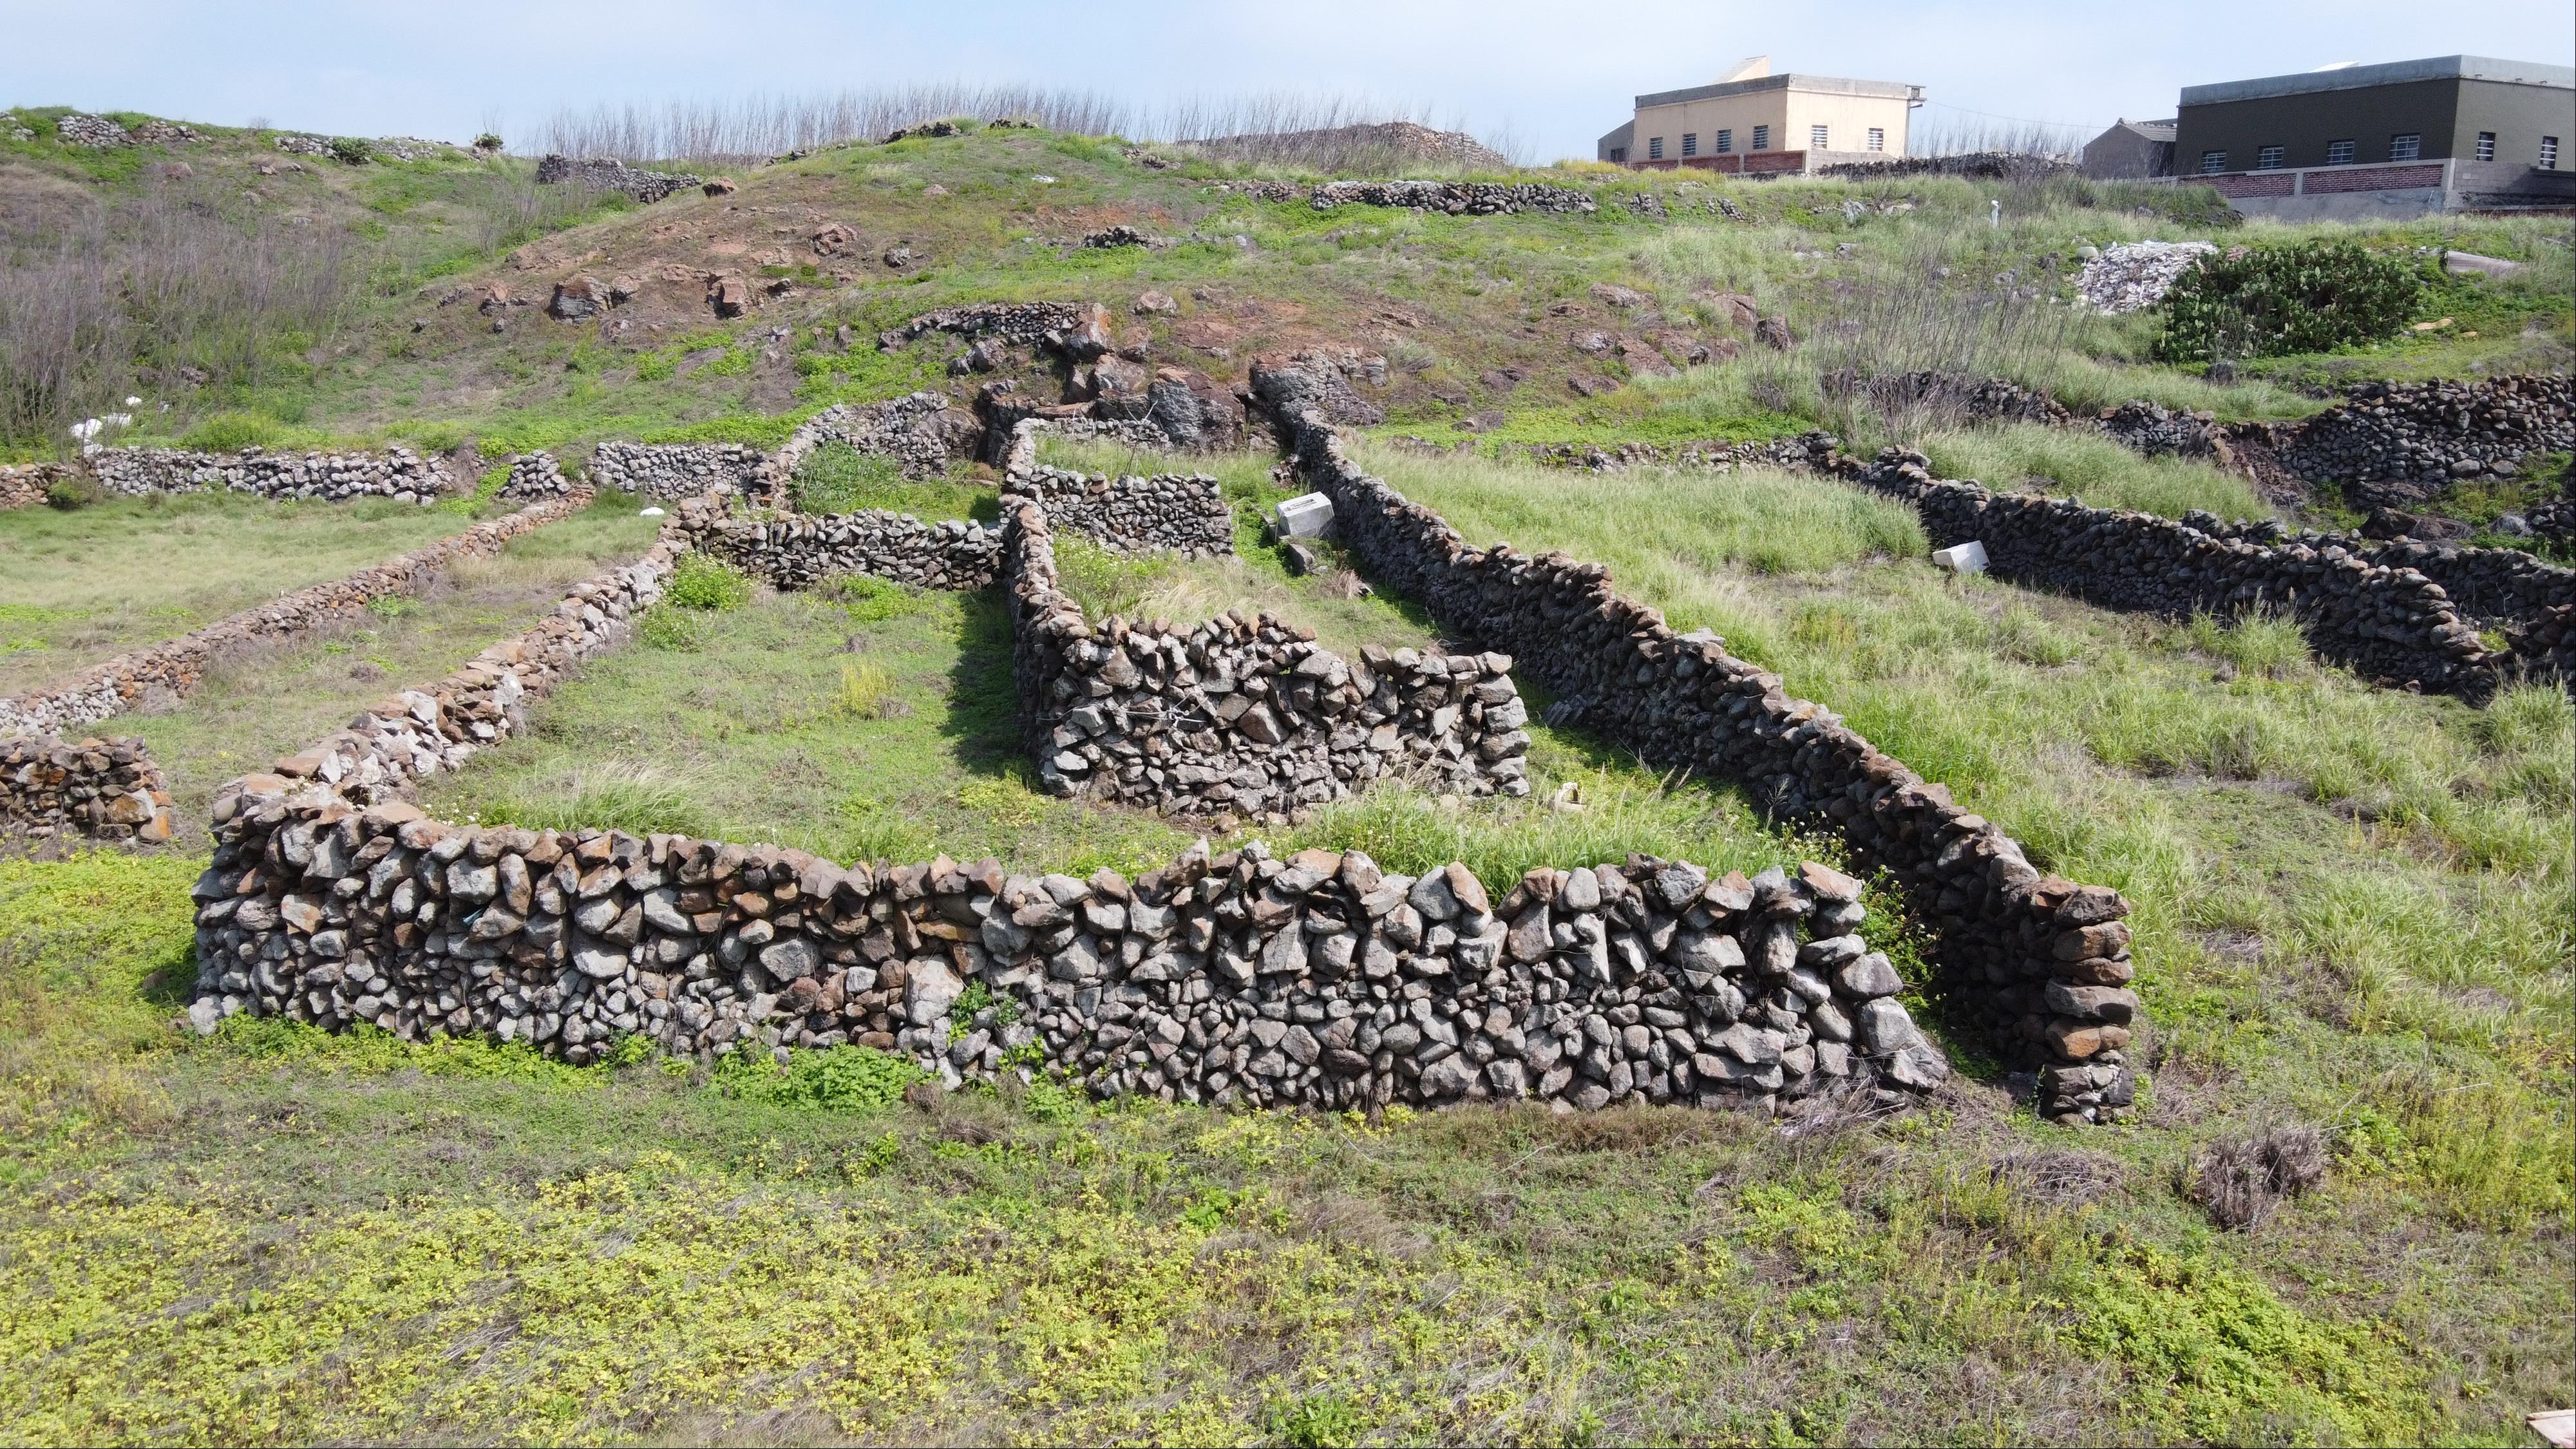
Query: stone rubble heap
[
  {"x": 1081, "y": 329},
  {"x": 2133, "y": 276},
  {"x": 175, "y": 666},
  {"x": 2434, "y": 432},
  {"x": 674, "y": 470},
  {"x": 1169, "y": 512},
  {"x": 397, "y": 473},
  {"x": 98, "y": 131},
  {"x": 2392, "y": 624},
  {"x": 104, "y": 789},
  {"x": 605, "y": 175},
  {"x": 536, "y": 475},
  {"x": 2037, "y": 965}
]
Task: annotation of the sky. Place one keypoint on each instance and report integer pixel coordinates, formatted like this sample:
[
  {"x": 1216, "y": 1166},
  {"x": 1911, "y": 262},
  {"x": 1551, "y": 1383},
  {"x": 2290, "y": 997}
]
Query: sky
[{"x": 1544, "y": 75}]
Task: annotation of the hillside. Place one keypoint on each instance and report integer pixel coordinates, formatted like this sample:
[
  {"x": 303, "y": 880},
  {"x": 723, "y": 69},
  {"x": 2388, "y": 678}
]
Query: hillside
[{"x": 2332, "y": 1193}]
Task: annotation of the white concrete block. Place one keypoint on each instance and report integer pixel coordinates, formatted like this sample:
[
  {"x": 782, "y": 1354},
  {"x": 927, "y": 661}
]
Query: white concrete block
[
  {"x": 1966, "y": 558},
  {"x": 1305, "y": 515}
]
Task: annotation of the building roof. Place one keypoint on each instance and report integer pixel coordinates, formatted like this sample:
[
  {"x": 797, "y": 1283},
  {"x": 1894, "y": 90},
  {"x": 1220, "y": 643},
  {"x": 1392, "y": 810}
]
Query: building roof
[
  {"x": 1830, "y": 85},
  {"x": 2395, "y": 72},
  {"x": 2151, "y": 130}
]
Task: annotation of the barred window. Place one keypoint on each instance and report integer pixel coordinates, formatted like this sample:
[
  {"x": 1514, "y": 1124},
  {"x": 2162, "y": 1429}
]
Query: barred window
[
  {"x": 1725, "y": 142},
  {"x": 1690, "y": 143},
  {"x": 2268, "y": 159},
  {"x": 1762, "y": 138},
  {"x": 2486, "y": 145},
  {"x": 1816, "y": 139},
  {"x": 2212, "y": 162},
  {"x": 2338, "y": 153},
  {"x": 2405, "y": 147},
  {"x": 1878, "y": 138},
  {"x": 1654, "y": 148},
  {"x": 2548, "y": 153}
]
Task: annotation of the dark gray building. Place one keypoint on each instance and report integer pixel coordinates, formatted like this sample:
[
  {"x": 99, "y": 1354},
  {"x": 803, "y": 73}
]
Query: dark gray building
[
  {"x": 2463, "y": 107},
  {"x": 2131, "y": 150}
]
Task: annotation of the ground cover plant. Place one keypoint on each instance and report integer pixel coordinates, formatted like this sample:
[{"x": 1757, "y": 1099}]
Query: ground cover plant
[
  {"x": 2353, "y": 905},
  {"x": 79, "y": 586}
]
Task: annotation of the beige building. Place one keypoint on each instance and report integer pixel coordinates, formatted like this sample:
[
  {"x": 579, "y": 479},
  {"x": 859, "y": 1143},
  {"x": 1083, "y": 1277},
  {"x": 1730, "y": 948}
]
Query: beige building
[{"x": 1750, "y": 120}]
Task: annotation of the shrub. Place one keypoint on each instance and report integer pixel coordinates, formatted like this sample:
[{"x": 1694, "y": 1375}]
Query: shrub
[
  {"x": 664, "y": 627},
  {"x": 351, "y": 151},
  {"x": 867, "y": 690},
  {"x": 77, "y": 490},
  {"x": 842, "y": 1079},
  {"x": 701, "y": 582},
  {"x": 232, "y": 432},
  {"x": 2239, "y": 1180},
  {"x": 2273, "y": 301}
]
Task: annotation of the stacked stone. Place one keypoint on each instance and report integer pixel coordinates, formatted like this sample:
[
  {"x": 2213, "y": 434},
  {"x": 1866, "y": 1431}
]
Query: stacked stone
[
  {"x": 536, "y": 475},
  {"x": 104, "y": 789},
  {"x": 1802, "y": 452},
  {"x": 674, "y": 470},
  {"x": 1319, "y": 980},
  {"x": 2433, "y": 432},
  {"x": 77, "y": 129},
  {"x": 2156, "y": 430},
  {"x": 1023, "y": 323},
  {"x": 1975, "y": 400},
  {"x": 920, "y": 432},
  {"x": 296, "y": 143},
  {"x": 605, "y": 175},
  {"x": 799, "y": 550},
  {"x": 2395, "y": 625},
  {"x": 24, "y": 485},
  {"x": 2037, "y": 963},
  {"x": 175, "y": 666},
  {"x": 1169, "y": 512},
  {"x": 398, "y": 473},
  {"x": 1456, "y": 198}
]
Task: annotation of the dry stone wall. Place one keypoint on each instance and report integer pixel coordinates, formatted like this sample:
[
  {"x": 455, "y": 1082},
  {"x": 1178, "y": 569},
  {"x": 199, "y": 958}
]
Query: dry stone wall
[
  {"x": 106, "y": 789},
  {"x": 800, "y": 550},
  {"x": 920, "y": 432},
  {"x": 398, "y": 473},
  {"x": 536, "y": 475},
  {"x": 2036, "y": 965},
  {"x": 23, "y": 485},
  {"x": 2392, "y": 624},
  {"x": 2433, "y": 432},
  {"x": 174, "y": 667},
  {"x": 603, "y": 175},
  {"x": 1169, "y": 512},
  {"x": 672, "y": 471},
  {"x": 1456, "y": 198}
]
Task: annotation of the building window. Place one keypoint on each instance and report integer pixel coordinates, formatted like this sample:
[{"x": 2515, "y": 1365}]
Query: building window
[
  {"x": 1762, "y": 138},
  {"x": 1690, "y": 143},
  {"x": 1654, "y": 148},
  {"x": 1816, "y": 139},
  {"x": 1725, "y": 142},
  {"x": 2212, "y": 162},
  {"x": 1618, "y": 155},
  {"x": 2486, "y": 145},
  {"x": 2338, "y": 153},
  {"x": 2406, "y": 147},
  {"x": 1878, "y": 138},
  {"x": 2548, "y": 153},
  {"x": 2268, "y": 159}
]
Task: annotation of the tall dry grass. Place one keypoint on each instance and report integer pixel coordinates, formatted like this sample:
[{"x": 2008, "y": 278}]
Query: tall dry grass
[
  {"x": 91, "y": 292},
  {"x": 751, "y": 128}
]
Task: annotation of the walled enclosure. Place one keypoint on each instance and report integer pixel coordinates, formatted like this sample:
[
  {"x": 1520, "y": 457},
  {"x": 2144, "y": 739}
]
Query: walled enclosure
[
  {"x": 397, "y": 473},
  {"x": 2037, "y": 965},
  {"x": 1237, "y": 978}
]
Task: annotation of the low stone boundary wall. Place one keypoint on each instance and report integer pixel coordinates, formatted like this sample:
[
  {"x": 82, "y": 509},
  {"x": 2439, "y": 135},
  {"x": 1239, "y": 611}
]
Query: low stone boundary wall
[
  {"x": 674, "y": 470},
  {"x": 105, "y": 789},
  {"x": 2037, "y": 965},
  {"x": 1456, "y": 198},
  {"x": 607, "y": 175},
  {"x": 536, "y": 475},
  {"x": 2393, "y": 624},
  {"x": 1183, "y": 513},
  {"x": 2433, "y": 432},
  {"x": 1804, "y": 451},
  {"x": 24, "y": 485},
  {"x": 799, "y": 550},
  {"x": 177, "y": 665},
  {"x": 397, "y": 473},
  {"x": 920, "y": 432}
]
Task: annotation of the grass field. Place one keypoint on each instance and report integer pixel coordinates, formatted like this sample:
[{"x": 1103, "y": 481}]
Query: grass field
[
  {"x": 259, "y": 704},
  {"x": 81, "y": 586}
]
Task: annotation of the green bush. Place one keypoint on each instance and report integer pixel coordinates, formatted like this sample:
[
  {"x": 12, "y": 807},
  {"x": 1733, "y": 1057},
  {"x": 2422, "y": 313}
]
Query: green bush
[
  {"x": 351, "y": 151},
  {"x": 232, "y": 432},
  {"x": 844, "y": 1078},
  {"x": 79, "y": 490},
  {"x": 701, "y": 582},
  {"x": 2274, "y": 301}
]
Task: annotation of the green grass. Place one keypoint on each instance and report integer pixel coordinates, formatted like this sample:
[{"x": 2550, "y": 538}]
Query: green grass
[
  {"x": 837, "y": 478},
  {"x": 259, "y": 704},
  {"x": 78, "y": 587},
  {"x": 2026, "y": 457},
  {"x": 200, "y": 1239}
]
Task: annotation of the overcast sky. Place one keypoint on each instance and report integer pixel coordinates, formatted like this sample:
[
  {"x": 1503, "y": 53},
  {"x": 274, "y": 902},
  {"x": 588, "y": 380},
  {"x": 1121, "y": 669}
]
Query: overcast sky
[{"x": 1551, "y": 76}]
